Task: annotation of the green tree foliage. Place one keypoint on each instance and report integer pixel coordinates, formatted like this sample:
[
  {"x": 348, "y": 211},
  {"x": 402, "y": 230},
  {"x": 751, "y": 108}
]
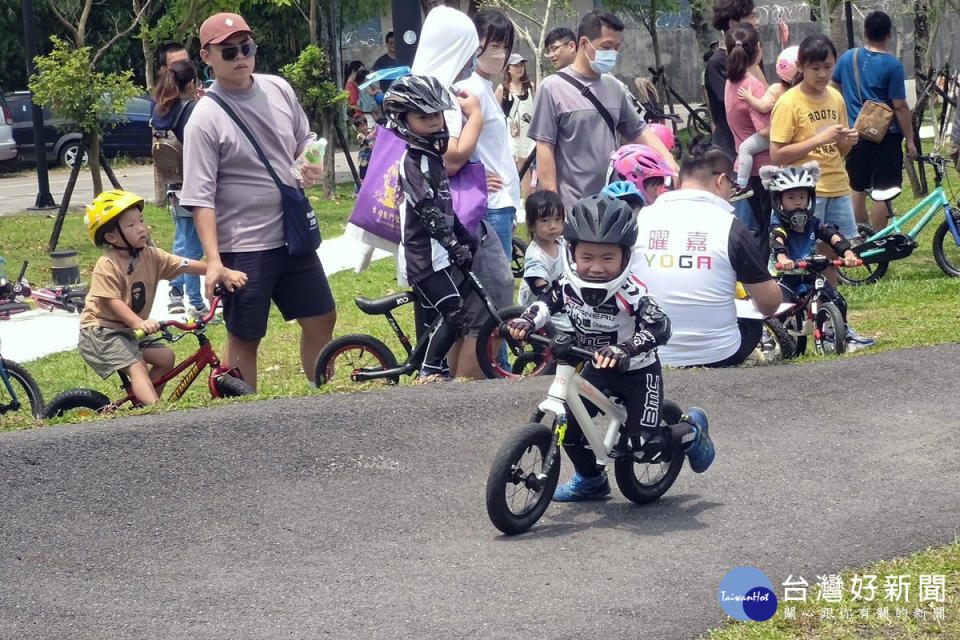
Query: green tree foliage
[
  {"x": 67, "y": 85},
  {"x": 646, "y": 13}
]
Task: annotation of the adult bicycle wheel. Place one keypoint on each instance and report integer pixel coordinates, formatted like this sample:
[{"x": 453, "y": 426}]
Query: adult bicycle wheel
[
  {"x": 517, "y": 254},
  {"x": 945, "y": 251},
  {"x": 76, "y": 403},
  {"x": 26, "y": 399},
  {"x": 516, "y": 497},
  {"x": 643, "y": 482},
  {"x": 229, "y": 386},
  {"x": 522, "y": 358},
  {"x": 833, "y": 330},
  {"x": 346, "y": 355},
  {"x": 699, "y": 121},
  {"x": 776, "y": 343},
  {"x": 864, "y": 274}
]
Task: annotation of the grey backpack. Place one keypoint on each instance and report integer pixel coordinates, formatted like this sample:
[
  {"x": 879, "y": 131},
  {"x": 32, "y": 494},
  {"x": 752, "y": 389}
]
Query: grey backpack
[{"x": 167, "y": 149}]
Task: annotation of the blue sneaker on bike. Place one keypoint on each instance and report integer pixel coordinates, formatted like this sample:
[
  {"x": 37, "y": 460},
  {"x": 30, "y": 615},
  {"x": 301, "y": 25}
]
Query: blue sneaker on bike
[
  {"x": 580, "y": 488},
  {"x": 701, "y": 452}
]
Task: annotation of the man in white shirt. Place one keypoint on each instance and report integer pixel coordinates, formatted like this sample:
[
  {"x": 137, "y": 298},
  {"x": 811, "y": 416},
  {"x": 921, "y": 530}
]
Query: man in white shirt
[{"x": 690, "y": 253}]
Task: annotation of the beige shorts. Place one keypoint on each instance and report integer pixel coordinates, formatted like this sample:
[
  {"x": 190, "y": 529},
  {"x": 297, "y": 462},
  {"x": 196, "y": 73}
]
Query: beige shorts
[{"x": 108, "y": 350}]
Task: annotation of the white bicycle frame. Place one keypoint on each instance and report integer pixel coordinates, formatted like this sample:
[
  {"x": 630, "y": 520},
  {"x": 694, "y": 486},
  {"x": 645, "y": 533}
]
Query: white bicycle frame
[{"x": 563, "y": 398}]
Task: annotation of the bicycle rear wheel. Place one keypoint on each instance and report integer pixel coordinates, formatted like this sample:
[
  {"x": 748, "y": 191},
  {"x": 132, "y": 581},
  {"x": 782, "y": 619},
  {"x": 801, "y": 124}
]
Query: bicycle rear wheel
[
  {"x": 26, "y": 399},
  {"x": 643, "y": 482},
  {"x": 945, "y": 251},
  {"x": 77, "y": 403},
  {"x": 527, "y": 360},
  {"x": 776, "y": 343},
  {"x": 516, "y": 497},
  {"x": 344, "y": 356},
  {"x": 864, "y": 274},
  {"x": 229, "y": 386}
]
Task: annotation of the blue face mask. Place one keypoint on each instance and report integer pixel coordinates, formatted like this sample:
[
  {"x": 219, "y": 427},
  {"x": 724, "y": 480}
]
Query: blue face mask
[{"x": 603, "y": 60}]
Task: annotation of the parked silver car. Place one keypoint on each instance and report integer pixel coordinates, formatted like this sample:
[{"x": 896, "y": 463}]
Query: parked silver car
[{"x": 8, "y": 147}]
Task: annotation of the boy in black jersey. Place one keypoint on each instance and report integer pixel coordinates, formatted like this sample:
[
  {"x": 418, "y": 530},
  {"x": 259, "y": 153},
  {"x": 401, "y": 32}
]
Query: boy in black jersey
[
  {"x": 611, "y": 312},
  {"x": 431, "y": 236}
]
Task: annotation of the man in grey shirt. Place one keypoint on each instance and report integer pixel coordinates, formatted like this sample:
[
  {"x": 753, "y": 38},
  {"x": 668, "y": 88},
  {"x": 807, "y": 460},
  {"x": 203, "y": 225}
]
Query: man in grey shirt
[
  {"x": 574, "y": 142},
  {"x": 236, "y": 204}
]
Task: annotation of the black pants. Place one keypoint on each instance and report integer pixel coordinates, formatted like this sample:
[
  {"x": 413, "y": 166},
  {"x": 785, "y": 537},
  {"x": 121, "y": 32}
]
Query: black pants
[
  {"x": 642, "y": 393},
  {"x": 761, "y": 206},
  {"x": 438, "y": 292}
]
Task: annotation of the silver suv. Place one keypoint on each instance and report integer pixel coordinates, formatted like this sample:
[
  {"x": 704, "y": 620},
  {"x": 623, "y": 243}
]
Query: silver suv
[{"x": 8, "y": 148}]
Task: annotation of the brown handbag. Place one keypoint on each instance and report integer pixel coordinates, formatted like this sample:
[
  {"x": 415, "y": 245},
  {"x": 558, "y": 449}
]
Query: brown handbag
[{"x": 875, "y": 117}]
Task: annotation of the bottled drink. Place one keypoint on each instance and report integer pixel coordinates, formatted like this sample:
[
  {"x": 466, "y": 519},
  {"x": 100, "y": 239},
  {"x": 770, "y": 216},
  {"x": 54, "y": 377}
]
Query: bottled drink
[{"x": 312, "y": 153}]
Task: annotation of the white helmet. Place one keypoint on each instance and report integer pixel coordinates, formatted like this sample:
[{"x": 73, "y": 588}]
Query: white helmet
[
  {"x": 777, "y": 180},
  {"x": 599, "y": 219}
]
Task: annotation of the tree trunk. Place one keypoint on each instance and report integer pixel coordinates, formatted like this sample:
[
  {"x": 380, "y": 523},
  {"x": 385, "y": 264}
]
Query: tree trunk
[
  {"x": 329, "y": 167},
  {"x": 147, "y": 61},
  {"x": 700, "y": 23},
  {"x": 94, "y": 164},
  {"x": 314, "y": 23},
  {"x": 921, "y": 34}
]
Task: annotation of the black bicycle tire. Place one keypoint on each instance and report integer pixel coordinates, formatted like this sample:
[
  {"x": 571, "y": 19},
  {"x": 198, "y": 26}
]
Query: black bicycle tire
[
  {"x": 939, "y": 237},
  {"x": 518, "y": 252},
  {"x": 229, "y": 386},
  {"x": 337, "y": 346},
  {"x": 14, "y": 307},
  {"x": 876, "y": 269},
  {"x": 491, "y": 329},
  {"x": 76, "y": 399},
  {"x": 839, "y": 327},
  {"x": 624, "y": 467},
  {"x": 502, "y": 472},
  {"x": 787, "y": 343},
  {"x": 34, "y": 396}
]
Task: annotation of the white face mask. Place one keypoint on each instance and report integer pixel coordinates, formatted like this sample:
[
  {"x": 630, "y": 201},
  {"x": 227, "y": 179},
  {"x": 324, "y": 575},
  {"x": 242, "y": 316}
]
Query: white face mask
[
  {"x": 492, "y": 61},
  {"x": 604, "y": 60}
]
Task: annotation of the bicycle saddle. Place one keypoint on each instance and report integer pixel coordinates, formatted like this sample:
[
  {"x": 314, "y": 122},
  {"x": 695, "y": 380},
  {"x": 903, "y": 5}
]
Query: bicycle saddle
[
  {"x": 882, "y": 195},
  {"x": 379, "y": 306}
]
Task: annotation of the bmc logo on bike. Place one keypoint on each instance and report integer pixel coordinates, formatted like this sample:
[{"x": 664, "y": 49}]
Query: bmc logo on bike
[{"x": 747, "y": 594}]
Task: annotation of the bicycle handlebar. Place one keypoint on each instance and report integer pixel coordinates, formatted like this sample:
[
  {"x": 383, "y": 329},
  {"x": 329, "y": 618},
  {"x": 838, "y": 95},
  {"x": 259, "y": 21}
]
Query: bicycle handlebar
[
  {"x": 815, "y": 263},
  {"x": 198, "y": 323},
  {"x": 563, "y": 347}
]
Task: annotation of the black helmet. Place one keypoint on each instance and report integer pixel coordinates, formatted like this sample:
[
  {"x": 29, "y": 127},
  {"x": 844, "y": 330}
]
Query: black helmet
[
  {"x": 422, "y": 94},
  {"x": 603, "y": 220}
]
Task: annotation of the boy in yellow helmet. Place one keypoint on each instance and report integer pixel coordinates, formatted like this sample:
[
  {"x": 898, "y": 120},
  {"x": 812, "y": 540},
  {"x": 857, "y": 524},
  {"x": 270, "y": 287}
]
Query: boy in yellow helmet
[{"x": 121, "y": 293}]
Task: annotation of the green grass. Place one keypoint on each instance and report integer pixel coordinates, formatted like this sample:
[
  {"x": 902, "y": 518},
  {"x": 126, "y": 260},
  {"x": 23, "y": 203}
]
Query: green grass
[
  {"x": 842, "y": 620},
  {"x": 912, "y": 305}
]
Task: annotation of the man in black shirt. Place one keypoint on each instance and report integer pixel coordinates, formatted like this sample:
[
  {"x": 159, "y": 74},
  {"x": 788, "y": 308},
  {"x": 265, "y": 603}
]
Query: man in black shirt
[
  {"x": 387, "y": 60},
  {"x": 727, "y": 14}
]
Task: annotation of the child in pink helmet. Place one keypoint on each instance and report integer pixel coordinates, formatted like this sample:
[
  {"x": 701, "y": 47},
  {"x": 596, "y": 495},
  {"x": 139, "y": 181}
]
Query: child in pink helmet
[
  {"x": 645, "y": 168},
  {"x": 789, "y": 76}
]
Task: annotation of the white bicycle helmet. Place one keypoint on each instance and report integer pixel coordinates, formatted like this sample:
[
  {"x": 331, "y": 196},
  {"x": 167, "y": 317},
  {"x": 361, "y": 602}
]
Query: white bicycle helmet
[
  {"x": 777, "y": 180},
  {"x": 604, "y": 220}
]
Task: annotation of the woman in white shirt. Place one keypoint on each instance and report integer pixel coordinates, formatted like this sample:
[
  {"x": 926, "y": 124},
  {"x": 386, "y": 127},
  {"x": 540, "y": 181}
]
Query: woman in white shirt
[{"x": 515, "y": 96}]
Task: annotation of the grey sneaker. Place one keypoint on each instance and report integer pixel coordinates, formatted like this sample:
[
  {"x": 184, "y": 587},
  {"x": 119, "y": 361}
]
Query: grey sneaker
[
  {"x": 176, "y": 305},
  {"x": 198, "y": 313}
]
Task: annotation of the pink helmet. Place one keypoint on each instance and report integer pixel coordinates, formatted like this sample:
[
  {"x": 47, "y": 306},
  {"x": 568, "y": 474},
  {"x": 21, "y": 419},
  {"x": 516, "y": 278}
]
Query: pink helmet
[
  {"x": 787, "y": 64},
  {"x": 665, "y": 134},
  {"x": 637, "y": 163}
]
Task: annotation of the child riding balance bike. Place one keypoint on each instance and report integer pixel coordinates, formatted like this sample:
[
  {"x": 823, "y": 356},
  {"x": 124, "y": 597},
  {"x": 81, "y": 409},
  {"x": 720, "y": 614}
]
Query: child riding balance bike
[{"x": 613, "y": 316}]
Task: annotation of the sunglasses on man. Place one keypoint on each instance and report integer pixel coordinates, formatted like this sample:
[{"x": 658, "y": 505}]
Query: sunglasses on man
[{"x": 248, "y": 49}]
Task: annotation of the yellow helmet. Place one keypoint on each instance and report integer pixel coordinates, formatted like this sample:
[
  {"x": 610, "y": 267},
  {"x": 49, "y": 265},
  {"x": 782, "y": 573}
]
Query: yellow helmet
[{"x": 106, "y": 207}]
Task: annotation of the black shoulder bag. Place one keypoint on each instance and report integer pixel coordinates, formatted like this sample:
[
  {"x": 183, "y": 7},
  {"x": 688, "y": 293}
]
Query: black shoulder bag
[
  {"x": 594, "y": 100},
  {"x": 300, "y": 229}
]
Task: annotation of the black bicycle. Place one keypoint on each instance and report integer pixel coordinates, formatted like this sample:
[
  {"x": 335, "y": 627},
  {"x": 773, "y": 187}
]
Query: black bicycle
[
  {"x": 19, "y": 393},
  {"x": 359, "y": 358},
  {"x": 698, "y": 119}
]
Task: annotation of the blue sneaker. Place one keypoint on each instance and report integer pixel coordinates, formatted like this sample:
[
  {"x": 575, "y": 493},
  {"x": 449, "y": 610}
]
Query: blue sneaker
[
  {"x": 856, "y": 342},
  {"x": 701, "y": 452},
  {"x": 580, "y": 488}
]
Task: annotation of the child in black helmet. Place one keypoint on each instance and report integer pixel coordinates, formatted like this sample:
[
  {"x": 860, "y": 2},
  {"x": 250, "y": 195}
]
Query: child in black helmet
[
  {"x": 612, "y": 313},
  {"x": 431, "y": 237}
]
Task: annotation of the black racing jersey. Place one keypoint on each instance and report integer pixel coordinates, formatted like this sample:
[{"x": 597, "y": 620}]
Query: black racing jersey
[
  {"x": 631, "y": 319},
  {"x": 428, "y": 224}
]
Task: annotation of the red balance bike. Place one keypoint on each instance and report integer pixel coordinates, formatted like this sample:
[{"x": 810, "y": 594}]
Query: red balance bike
[{"x": 222, "y": 382}]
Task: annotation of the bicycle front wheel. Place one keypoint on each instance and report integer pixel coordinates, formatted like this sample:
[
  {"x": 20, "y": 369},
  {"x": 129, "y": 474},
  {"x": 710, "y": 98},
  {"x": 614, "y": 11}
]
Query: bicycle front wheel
[
  {"x": 516, "y": 497},
  {"x": 831, "y": 328},
  {"x": 643, "y": 482},
  {"x": 25, "y": 399},
  {"x": 864, "y": 274},
  {"x": 517, "y": 254},
  {"x": 945, "y": 251}
]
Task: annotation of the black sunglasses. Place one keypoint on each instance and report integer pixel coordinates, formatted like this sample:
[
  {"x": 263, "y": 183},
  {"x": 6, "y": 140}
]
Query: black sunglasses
[
  {"x": 248, "y": 49},
  {"x": 731, "y": 180}
]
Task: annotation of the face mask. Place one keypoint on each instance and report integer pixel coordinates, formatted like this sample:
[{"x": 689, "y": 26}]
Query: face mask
[
  {"x": 491, "y": 61},
  {"x": 603, "y": 60}
]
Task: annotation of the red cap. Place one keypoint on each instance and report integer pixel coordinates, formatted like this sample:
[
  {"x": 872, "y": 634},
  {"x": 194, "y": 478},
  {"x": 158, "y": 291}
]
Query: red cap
[{"x": 221, "y": 26}]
